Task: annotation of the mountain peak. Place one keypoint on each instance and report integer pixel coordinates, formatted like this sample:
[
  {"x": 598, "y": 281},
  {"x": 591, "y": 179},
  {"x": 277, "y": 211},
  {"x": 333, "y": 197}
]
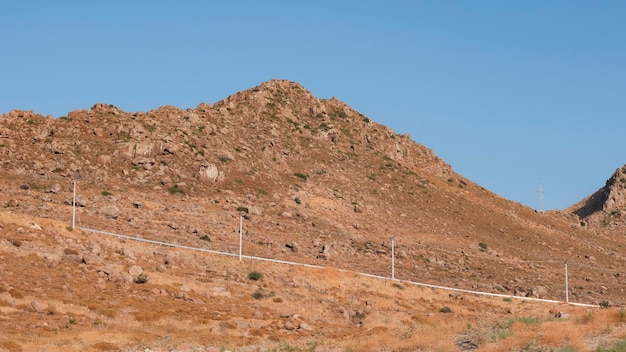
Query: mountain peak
[{"x": 607, "y": 203}]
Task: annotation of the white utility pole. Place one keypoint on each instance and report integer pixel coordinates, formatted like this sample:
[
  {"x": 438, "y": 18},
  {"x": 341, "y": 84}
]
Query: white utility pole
[
  {"x": 540, "y": 198},
  {"x": 240, "y": 236},
  {"x": 566, "y": 285},
  {"x": 74, "y": 207},
  {"x": 393, "y": 259}
]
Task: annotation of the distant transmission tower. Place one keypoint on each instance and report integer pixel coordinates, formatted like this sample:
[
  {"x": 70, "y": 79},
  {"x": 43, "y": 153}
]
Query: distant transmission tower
[{"x": 540, "y": 198}]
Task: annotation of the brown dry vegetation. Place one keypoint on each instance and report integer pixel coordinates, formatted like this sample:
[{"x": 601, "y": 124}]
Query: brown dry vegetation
[{"x": 317, "y": 183}]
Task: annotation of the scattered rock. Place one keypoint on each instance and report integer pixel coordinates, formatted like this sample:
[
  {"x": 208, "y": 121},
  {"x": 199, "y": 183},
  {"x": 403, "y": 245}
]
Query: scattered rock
[
  {"x": 72, "y": 258},
  {"x": 135, "y": 271},
  {"x": 324, "y": 252},
  {"x": 305, "y": 326},
  {"x": 55, "y": 188},
  {"x": 36, "y": 306},
  {"x": 561, "y": 315},
  {"x": 109, "y": 211},
  {"x": 293, "y": 246}
]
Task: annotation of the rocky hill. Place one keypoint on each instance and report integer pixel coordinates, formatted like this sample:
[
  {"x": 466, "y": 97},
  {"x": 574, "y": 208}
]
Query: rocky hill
[
  {"x": 316, "y": 182},
  {"x": 603, "y": 210}
]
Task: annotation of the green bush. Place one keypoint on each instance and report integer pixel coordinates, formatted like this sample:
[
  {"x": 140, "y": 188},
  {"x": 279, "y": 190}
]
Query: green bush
[
  {"x": 301, "y": 175},
  {"x": 255, "y": 275},
  {"x": 205, "y": 238},
  {"x": 175, "y": 190},
  {"x": 258, "y": 294},
  {"x": 445, "y": 309}
]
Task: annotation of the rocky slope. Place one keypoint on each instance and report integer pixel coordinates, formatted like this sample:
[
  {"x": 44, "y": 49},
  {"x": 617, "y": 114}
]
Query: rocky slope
[
  {"x": 315, "y": 181},
  {"x": 604, "y": 208}
]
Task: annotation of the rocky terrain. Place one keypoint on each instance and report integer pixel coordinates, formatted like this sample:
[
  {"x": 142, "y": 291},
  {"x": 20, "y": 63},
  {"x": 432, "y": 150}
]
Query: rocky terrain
[{"x": 315, "y": 182}]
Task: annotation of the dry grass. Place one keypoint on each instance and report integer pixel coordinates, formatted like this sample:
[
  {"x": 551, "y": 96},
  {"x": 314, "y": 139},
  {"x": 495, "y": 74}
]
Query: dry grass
[
  {"x": 345, "y": 310},
  {"x": 9, "y": 346}
]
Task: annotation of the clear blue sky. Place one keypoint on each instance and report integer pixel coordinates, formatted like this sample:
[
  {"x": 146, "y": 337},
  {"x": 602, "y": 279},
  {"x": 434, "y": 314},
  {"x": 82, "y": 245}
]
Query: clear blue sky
[{"x": 512, "y": 94}]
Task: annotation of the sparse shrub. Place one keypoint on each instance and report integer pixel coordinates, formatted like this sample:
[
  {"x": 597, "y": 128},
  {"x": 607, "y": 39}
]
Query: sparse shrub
[
  {"x": 242, "y": 209},
  {"x": 205, "y": 238},
  {"x": 534, "y": 346},
  {"x": 619, "y": 346},
  {"x": 175, "y": 190},
  {"x": 146, "y": 315},
  {"x": 483, "y": 246},
  {"x": 445, "y": 309},
  {"x": 398, "y": 286},
  {"x": 605, "y": 304},
  {"x": 141, "y": 279},
  {"x": 258, "y": 294},
  {"x": 106, "y": 193},
  {"x": 255, "y": 275},
  {"x": 339, "y": 113},
  {"x": 58, "y": 169},
  {"x": 277, "y": 300},
  {"x": 301, "y": 175},
  {"x": 484, "y": 331},
  {"x": 528, "y": 320},
  {"x": 366, "y": 120},
  {"x": 507, "y": 299},
  {"x": 24, "y": 187},
  {"x": 223, "y": 158}
]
